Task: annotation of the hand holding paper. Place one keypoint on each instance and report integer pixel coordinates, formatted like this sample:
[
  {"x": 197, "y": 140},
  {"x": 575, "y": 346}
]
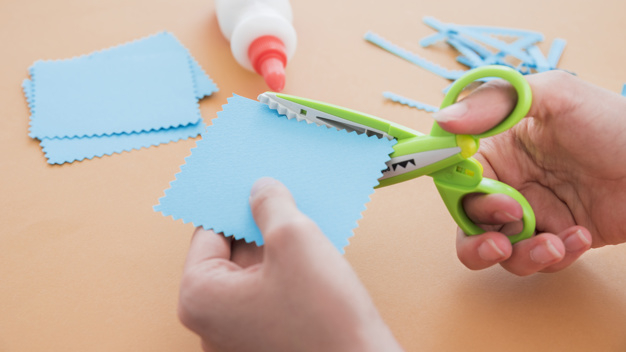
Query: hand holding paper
[{"x": 302, "y": 296}]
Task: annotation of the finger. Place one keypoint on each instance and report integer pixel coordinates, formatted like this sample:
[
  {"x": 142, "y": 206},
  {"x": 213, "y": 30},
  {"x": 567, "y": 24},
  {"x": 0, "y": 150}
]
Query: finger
[
  {"x": 549, "y": 99},
  {"x": 535, "y": 254},
  {"x": 489, "y": 104},
  {"x": 480, "y": 111},
  {"x": 205, "y": 246},
  {"x": 287, "y": 232},
  {"x": 492, "y": 209},
  {"x": 482, "y": 251},
  {"x": 246, "y": 254},
  {"x": 207, "y": 259},
  {"x": 577, "y": 240}
]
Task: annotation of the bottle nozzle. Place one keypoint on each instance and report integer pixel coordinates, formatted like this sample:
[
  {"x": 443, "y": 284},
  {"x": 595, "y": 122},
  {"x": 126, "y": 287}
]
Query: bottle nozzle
[
  {"x": 273, "y": 71},
  {"x": 268, "y": 57}
]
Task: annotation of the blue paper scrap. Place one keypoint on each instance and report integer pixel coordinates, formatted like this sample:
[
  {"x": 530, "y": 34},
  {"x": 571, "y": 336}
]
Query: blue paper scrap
[
  {"x": 478, "y": 46},
  {"x": 164, "y": 48},
  {"x": 461, "y": 32},
  {"x": 556, "y": 50},
  {"x": 330, "y": 173},
  {"x": 541, "y": 63},
  {"x": 411, "y": 57},
  {"x": 410, "y": 102}
]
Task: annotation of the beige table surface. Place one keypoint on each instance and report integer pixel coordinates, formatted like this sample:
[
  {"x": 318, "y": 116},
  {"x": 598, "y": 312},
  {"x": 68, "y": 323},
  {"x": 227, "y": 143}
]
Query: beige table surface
[{"x": 86, "y": 265}]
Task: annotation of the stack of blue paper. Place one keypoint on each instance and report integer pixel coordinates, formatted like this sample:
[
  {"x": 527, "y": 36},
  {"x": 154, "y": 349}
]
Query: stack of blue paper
[{"x": 135, "y": 95}]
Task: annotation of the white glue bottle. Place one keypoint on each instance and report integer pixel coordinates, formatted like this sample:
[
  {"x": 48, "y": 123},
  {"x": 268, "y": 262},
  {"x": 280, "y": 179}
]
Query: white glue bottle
[{"x": 262, "y": 38}]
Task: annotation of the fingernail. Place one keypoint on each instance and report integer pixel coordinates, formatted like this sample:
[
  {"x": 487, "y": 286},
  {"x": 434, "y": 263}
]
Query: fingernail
[
  {"x": 451, "y": 113},
  {"x": 489, "y": 251},
  {"x": 544, "y": 253},
  {"x": 504, "y": 217},
  {"x": 260, "y": 184},
  {"x": 576, "y": 242}
]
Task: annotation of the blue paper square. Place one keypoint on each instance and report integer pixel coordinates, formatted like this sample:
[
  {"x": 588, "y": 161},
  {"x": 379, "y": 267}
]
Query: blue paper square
[
  {"x": 102, "y": 96},
  {"x": 330, "y": 173},
  {"x": 162, "y": 43},
  {"x": 61, "y": 150},
  {"x": 67, "y": 150}
]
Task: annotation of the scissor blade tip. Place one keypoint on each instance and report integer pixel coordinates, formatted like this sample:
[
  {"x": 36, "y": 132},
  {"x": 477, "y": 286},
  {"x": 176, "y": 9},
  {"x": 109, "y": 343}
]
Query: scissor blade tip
[{"x": 264, "y": 97}]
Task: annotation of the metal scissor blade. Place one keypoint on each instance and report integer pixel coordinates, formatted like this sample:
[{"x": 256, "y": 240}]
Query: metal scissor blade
[
  {"x": 284, "y": 107},
  {"x": 411, "y": 162},
  {"x": 311, "y": 115},
  {"x": 359, "y": 129}
]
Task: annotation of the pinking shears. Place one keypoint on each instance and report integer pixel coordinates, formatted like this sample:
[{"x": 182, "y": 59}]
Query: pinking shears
[{"x": 444, "y": 156}]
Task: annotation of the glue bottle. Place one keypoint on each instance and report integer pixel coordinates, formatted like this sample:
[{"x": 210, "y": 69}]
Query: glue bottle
[{"x": 262, "y": 38}]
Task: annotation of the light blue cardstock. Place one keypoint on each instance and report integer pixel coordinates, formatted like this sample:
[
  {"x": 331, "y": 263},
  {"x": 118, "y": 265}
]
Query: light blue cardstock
[
  {"x": 161, "y": 43},
  {"x": 67, "y": 150},
  {"x": 101, "y": 96},
  {"x": 64, "y": 150},
  {"x": 410, "y": 102},
  {"x": 330, "y": 173}
]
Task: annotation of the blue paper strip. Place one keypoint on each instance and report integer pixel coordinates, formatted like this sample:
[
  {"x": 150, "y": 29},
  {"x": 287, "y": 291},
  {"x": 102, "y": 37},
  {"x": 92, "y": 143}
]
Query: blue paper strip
[
  {"x": 521, "y": 44},
  {"x": 478, "y": 48},
  {"x": 410, "y": 102},
  {"x": 478, "y": 35},
  {"x": 470, "y": 57},
  {"x": 541, "y": 64},
  {"x": 556, "y": 50},
  {"x": 411, "y": 57},
  {"x": 511, "y": 32}
]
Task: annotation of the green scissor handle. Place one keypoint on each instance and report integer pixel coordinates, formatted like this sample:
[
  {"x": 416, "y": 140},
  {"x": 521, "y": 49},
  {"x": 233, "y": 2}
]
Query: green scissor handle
[
  {"x": 524, "y": 97},
  {"x": 463, "y": 178},
  {"x": 457, "y": 181}
]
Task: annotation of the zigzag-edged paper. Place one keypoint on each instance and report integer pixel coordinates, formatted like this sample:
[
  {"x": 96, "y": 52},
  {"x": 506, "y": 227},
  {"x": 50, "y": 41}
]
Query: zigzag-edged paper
[
  {"x": 330, "y": 173},
  {"x": 65, "y": 150},
  {"x": 102, "y": 96}
]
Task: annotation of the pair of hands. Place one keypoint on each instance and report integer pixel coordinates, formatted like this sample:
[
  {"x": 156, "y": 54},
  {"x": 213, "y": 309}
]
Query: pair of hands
[{"x": 298, "y": 294}]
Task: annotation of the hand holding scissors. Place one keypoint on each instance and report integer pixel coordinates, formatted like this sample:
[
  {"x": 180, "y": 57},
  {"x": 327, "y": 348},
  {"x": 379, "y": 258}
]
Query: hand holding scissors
[{"x": 445, "y": 156}]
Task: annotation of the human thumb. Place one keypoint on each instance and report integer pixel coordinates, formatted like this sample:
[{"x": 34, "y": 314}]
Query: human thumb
[
  {"x": 289, "y": 235},
  {"x": 480, "y": 111}
]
